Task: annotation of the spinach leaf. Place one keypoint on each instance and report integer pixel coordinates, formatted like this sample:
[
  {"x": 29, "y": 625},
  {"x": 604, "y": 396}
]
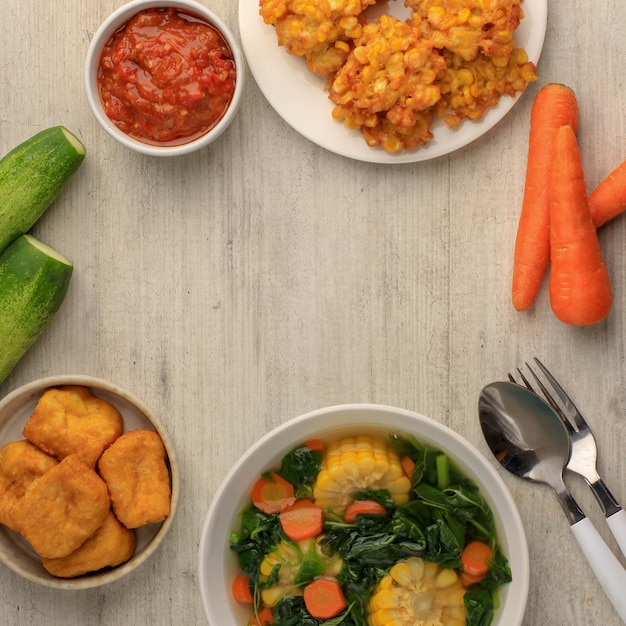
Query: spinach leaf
[
  {"x": 469, "y": 506},
  {"x": 290, "y": 611},
  {"x": 479, "y": 607},
  {"x": 407, "y": 527},
  {"x": 426, "y": 461},
  {"x": 260, "y": 534},
  {"x": 381, "y": 549},
  {"x": 301, "y": 467},
  {"x": 499, "y": 572},
  {"x": 382, "y": 496},
  {"x": 431, "y": 496},
  {"x": 445, "y": 539}
]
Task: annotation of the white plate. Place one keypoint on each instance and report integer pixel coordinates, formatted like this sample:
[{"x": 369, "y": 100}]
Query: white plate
[{"x": 298, "y": 95}]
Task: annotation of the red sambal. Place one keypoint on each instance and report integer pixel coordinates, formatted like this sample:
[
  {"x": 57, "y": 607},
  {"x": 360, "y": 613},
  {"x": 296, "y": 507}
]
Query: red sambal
[{"x": 166, "y": 77}]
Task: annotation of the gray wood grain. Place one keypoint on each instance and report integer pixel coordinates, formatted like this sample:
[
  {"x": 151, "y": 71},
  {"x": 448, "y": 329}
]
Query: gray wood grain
[{"x": 264, "y": 277}]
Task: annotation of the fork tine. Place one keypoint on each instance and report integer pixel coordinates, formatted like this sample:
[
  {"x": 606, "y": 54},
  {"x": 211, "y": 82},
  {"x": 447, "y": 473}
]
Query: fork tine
[
  {"x": 570, "y": 407},
  {"x": 551, "y": 401},
  {"x": 548, "y": 396},
  {"x": 544, "y": 390},
  {"x": 525, "y": 381},
  {"x": 528, "y": 386}
]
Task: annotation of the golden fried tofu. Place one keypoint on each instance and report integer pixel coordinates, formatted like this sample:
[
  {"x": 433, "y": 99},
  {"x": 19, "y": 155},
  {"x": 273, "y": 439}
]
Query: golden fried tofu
[
  {"x": 62, "y": 509},
  {"x": 71, "y": 420},
  {"x": 21, "y": 464},
  {"x": 112, "y": 544},
  {"x": 135, "y": 471}
]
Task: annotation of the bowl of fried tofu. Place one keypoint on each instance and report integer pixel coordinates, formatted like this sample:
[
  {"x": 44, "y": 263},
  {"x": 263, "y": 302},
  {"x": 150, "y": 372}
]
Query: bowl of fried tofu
[{"x": 89, "y": 482}]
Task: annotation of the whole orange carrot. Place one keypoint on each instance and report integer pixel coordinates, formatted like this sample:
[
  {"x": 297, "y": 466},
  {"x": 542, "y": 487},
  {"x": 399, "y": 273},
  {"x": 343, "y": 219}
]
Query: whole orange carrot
[
  {"x": 554, "y": 106},
  {"x": 580, "y": 288},
  {"x": 608, "y": 199}
]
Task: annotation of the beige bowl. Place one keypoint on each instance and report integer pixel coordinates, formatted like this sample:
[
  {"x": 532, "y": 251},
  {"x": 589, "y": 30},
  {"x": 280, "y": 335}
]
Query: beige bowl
[
  {"x": 218, "y": 564},
  {"x": 15, "y": 409}
]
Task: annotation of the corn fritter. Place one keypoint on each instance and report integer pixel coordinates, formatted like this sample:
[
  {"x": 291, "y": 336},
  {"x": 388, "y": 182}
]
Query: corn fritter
[
  {"x": 470, "y": 27},
  {"x": 321, "y": 31},
  {"x": 389, "y": 79},
  {"x": 469, "y": 88}
]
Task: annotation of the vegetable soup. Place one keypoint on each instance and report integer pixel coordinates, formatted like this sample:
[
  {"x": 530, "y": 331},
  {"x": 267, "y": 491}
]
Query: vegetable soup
[{"x": 370, "y": 530}]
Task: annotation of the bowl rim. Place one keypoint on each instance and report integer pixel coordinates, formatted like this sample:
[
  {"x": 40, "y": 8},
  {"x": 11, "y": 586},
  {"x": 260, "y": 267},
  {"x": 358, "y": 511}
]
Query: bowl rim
[
  {"x": 368, "y": 415},
  {"x": 35, "y": 388},
  {"x": 115, "y": 21}
]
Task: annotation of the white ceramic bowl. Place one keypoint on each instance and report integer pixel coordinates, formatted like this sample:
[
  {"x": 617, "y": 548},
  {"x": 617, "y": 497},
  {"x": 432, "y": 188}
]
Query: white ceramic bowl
[
  {"x": 115, "y": 21},
  {"x": 15, "y": 409},
  {"x": 218, "y": 565}
]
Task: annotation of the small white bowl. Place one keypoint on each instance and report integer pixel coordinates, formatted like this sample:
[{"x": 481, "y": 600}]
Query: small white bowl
[
  {"x": 114, "y": 22},
  {"x": 218, "y": 565},
  {"x": 15, "y": 409}
]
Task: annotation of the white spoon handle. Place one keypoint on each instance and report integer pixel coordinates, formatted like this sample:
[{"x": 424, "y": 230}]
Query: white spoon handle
[
  {"x": 617, "y": 524},
  {"x": 608, "y": 570}
]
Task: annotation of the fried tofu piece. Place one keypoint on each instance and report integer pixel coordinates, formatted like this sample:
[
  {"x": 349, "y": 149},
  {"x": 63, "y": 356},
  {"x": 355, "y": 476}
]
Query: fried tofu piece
[
  {"x": 71, "y": 420},
  {"x": 135, "y": 471},
  {"x": 21, "y": 464},
  {"x": 112, "y": 544},
  {"x": 62, "y": 509}
]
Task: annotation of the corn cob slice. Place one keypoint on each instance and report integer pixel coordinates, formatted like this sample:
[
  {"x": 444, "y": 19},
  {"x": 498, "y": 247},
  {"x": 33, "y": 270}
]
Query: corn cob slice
[
  {"x": 418, "y": 593},
  {"x": 292, "y": 558},
  {"x": 358, "y": 463}
]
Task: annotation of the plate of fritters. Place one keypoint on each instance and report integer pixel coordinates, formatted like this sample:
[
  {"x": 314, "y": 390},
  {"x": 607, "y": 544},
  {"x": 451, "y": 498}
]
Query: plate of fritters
[
  {"x": 88, "y": 482},
  {"x": 389, "y": 83}
]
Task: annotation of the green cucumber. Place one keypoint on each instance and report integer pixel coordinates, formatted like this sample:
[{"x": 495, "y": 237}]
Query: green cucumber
[
  {"x": 31, "y": 177},
  {"x": 33, "y": 282}
]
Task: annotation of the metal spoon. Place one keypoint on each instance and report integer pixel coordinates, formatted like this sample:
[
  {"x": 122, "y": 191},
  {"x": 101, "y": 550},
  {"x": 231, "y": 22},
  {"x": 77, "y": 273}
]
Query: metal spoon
[{"x": 530, "y": 441}]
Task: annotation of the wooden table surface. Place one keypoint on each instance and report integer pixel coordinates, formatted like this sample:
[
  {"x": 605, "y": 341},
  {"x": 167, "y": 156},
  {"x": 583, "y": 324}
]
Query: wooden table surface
[{"x": 240, "y": 286}]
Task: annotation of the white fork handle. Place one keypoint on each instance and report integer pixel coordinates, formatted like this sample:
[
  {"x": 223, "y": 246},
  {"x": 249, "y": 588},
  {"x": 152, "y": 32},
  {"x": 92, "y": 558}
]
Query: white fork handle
[
  {"x": 608, "y": 570},
  {"x": 617, "y": 524}
]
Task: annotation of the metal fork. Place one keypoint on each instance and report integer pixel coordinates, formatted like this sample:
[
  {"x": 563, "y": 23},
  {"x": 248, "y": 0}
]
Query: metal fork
[{"x": 584, "y": 451}]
